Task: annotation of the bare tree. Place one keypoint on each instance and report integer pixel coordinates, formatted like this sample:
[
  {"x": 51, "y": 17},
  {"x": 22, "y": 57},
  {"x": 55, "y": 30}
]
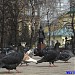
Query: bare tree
[{"x": 8, "y": 21}]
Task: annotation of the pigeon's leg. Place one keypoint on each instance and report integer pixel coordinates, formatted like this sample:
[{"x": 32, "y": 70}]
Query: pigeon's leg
[
  {"x": 8, "y": 71},
  {"x": 53, "y": 64},
  {"x": 50, "y": 64},
  {"x": 21, "y": 63},
  {"x": 27, "y": 64}
]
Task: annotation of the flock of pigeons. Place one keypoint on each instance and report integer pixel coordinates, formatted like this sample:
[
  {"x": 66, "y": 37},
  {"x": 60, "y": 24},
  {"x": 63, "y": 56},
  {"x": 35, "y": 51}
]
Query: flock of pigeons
[{"x": 11, "y": 59}]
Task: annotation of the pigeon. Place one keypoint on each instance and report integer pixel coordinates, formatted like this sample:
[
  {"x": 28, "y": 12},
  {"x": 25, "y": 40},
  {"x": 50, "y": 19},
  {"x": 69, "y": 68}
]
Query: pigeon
[
  {"x": 50, "y": 56},
  {"x": 40, "y": 53},
  {"x": 65, "y": 56},
  {"x": 28, "y": 58},
  {"x": 2, "y": 55},
  {"x": 69, "y": 52},
  {"x": 12, "y": 60}
]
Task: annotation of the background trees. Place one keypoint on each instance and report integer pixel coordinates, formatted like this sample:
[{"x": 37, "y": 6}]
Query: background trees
[
  {"x": 20, "y": 19},
  {"x": 8, "y": 22}
]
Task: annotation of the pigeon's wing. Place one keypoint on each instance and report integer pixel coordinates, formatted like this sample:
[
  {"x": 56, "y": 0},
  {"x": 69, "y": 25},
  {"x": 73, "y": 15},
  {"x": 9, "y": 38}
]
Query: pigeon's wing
[
  {"x": 11, "y": 58},
  {"x": 2, "y": 55},
  {"x": 50, "y": 55},
  {"x": 64, "y": 56}
]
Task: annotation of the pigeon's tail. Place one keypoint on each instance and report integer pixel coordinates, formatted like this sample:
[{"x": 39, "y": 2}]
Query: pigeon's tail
[
  {"x": 40, "y": 61},
  {"x": 1, "y": 64},
  {"x": 31, "y": 60}
]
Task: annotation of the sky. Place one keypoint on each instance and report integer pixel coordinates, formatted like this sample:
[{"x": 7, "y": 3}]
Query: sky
[{"x": 60, "y": 9}]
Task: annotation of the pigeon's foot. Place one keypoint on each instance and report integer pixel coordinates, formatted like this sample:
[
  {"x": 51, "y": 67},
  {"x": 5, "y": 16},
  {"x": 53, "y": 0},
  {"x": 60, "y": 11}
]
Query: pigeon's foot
[
  {"x": 18, "y": 71},
  {"x": 49, "y": 65},
  {"x": 27, "y": 64},
  {"x": 52, "y": 65},
  {"x": 8, "y": 71},
  {"x": 55, "y": 65}
]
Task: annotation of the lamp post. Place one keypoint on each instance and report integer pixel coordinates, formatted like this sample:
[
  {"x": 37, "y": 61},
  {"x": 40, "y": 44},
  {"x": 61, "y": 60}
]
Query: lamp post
[
  {"x": 72, "y": 23},
  {"x": 48, "y": 25}
]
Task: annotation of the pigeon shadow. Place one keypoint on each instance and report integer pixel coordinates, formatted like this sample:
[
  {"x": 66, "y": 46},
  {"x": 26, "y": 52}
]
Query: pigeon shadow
[
  {"x": 27, "y": 65},
  {"x": 23, "y": 65},
  {"x": 62, "y": 62},
  {"x": 46, "y": 66},
  {"x": 7, "y": 72}
]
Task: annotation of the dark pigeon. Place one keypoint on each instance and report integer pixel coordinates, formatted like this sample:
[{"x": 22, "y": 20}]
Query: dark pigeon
[
  {"x": 49, "y": 56},
  {"x": 65, "y": 55},
  {"x": 12, "y": 60}
]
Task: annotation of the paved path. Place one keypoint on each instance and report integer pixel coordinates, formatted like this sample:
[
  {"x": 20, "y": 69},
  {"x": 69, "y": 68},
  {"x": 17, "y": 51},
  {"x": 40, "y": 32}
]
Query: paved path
[{"x": 42, "y": 68}]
